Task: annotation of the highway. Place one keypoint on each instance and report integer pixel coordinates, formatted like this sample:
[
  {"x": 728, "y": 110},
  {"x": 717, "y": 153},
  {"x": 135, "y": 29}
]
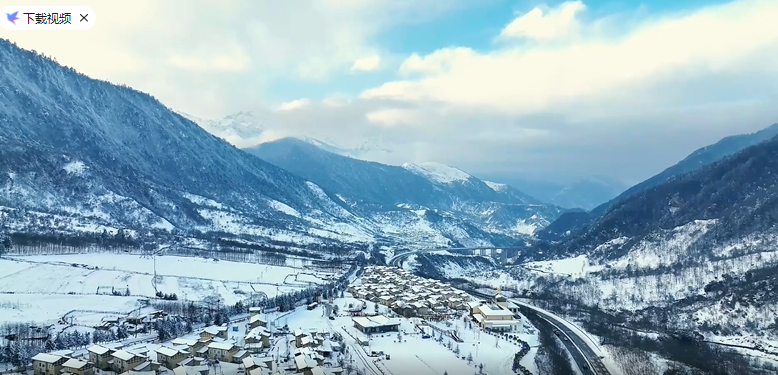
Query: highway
[
  {"x": 587, "y": 359},
  {"x": 398, "y": 258}
]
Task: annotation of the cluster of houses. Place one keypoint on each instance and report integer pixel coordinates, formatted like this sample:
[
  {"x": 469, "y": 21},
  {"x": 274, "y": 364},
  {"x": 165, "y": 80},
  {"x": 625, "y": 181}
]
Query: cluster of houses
[
  {"x": 312, "y": 349},
  {"x": 133, "y": 323},
  {"x": 194, "y": 356},
  {"x": 409, "y": 295},
  {"x": 183, "y": 356}
]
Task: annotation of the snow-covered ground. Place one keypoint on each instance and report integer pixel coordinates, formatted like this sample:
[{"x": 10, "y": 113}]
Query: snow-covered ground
[
  {"x": 44, "y": 287},
  {"x": 573, "y": 267},
  {"x": 45, "y": 308}
]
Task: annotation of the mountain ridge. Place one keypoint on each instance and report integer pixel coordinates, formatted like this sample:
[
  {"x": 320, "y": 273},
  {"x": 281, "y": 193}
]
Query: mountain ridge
[
  {"x": 736, "y": 191},
  {"x": 570, "y": 222},
  {"x": 422, "y": 186}
]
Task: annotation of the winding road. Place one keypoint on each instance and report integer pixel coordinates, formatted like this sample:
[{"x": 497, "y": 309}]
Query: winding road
[{"x": 585, "y": 356}]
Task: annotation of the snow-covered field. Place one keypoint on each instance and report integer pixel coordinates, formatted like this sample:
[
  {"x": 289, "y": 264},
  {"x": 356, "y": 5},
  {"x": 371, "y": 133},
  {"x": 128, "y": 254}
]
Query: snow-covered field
[
  {"x": 53, "y": 284},
  {"x": 46, "y": 308}
]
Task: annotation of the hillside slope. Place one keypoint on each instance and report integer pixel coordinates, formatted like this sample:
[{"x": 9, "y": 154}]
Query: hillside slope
[
  {"x": 697, "y": 159},
  {"x": 695, "y": 253},
  {"x": 86, "y": 149},
  {"x": 739, "y": 193}
]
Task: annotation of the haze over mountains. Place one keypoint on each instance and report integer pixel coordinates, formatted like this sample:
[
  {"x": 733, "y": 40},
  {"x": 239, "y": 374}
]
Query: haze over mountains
[
  {"x": 250, "y": 129},
  {"x": 497, "y": 208}
]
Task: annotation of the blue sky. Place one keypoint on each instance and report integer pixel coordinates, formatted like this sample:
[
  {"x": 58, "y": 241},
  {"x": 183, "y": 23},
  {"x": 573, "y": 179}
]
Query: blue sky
[{"x": 548, "y": 90}]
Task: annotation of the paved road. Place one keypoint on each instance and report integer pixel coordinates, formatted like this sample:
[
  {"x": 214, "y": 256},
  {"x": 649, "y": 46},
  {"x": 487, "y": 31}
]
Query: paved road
[{"x": 397, "y": 259}]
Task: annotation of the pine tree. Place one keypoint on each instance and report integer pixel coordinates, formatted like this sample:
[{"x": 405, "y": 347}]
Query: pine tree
[
  {"x": 5, "y": 353},
  {"x": 15, "y": 357},
  {"x": 121, "y": 332},
  {"x": 469, "y": 358}
]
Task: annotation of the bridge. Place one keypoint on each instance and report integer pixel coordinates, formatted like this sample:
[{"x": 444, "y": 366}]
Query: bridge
[{"x": 502, "y": 253}]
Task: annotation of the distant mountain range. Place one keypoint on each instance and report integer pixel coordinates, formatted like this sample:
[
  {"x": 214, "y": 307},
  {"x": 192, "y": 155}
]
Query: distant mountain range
[
  {"x": 735, "y": 197},
  {"x": 575, "y": 220},
  {"x": 82, "y": 157},
  {"x": 585, "y": 194},
  {"x": 248, "y": 129}
]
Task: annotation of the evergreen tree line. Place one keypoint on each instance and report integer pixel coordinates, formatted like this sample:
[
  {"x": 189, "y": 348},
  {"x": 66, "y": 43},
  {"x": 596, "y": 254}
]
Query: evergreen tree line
[{"x": 74, "y": 243}]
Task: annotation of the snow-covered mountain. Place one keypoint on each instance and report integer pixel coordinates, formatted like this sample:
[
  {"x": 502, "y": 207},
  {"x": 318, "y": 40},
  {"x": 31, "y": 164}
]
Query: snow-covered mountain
[
  {"x": 241, "y": 129},
  {"x": 686, "y": 270},
  {"x": 694, "y": 253},
  {"x": 84, "y": 156},
  {"x": 81, "y": 159},
  {"x": 252, "y": 128},
  {"x": 437, "y": 191},
  {"x": 586, "y": 193}
]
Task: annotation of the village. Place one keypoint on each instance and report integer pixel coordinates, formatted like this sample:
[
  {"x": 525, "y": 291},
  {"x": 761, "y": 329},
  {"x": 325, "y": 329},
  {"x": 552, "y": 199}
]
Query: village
[{"x": 387, "y": 322}]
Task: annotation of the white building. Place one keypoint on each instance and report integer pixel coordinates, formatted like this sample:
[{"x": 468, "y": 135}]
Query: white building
[{"x": 494, "y": 317}]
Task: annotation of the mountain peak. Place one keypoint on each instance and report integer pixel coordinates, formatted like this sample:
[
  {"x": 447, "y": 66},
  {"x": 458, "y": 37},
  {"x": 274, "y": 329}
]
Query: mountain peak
[
  {"x": 496, "y": 186},
  {"x": 437, "y": 172}
]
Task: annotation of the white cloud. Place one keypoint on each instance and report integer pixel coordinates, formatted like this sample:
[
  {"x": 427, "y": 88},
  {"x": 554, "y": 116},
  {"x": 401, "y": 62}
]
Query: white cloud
[
  {"x": 337, "y": 100},
  {"x": 221, "y": 57},
  {"x": 392, "y": 117},
  {"x": 367, "y": 64},
  {"x": 294, "y": 104},
  {"x": 717, "y": 42},
  {"x": 598, "y": 103},
  {"x": 537, "y": 24}
]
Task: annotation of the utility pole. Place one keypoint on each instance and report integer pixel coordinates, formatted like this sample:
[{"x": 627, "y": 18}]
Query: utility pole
[{"x": 154, "y": 280}]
